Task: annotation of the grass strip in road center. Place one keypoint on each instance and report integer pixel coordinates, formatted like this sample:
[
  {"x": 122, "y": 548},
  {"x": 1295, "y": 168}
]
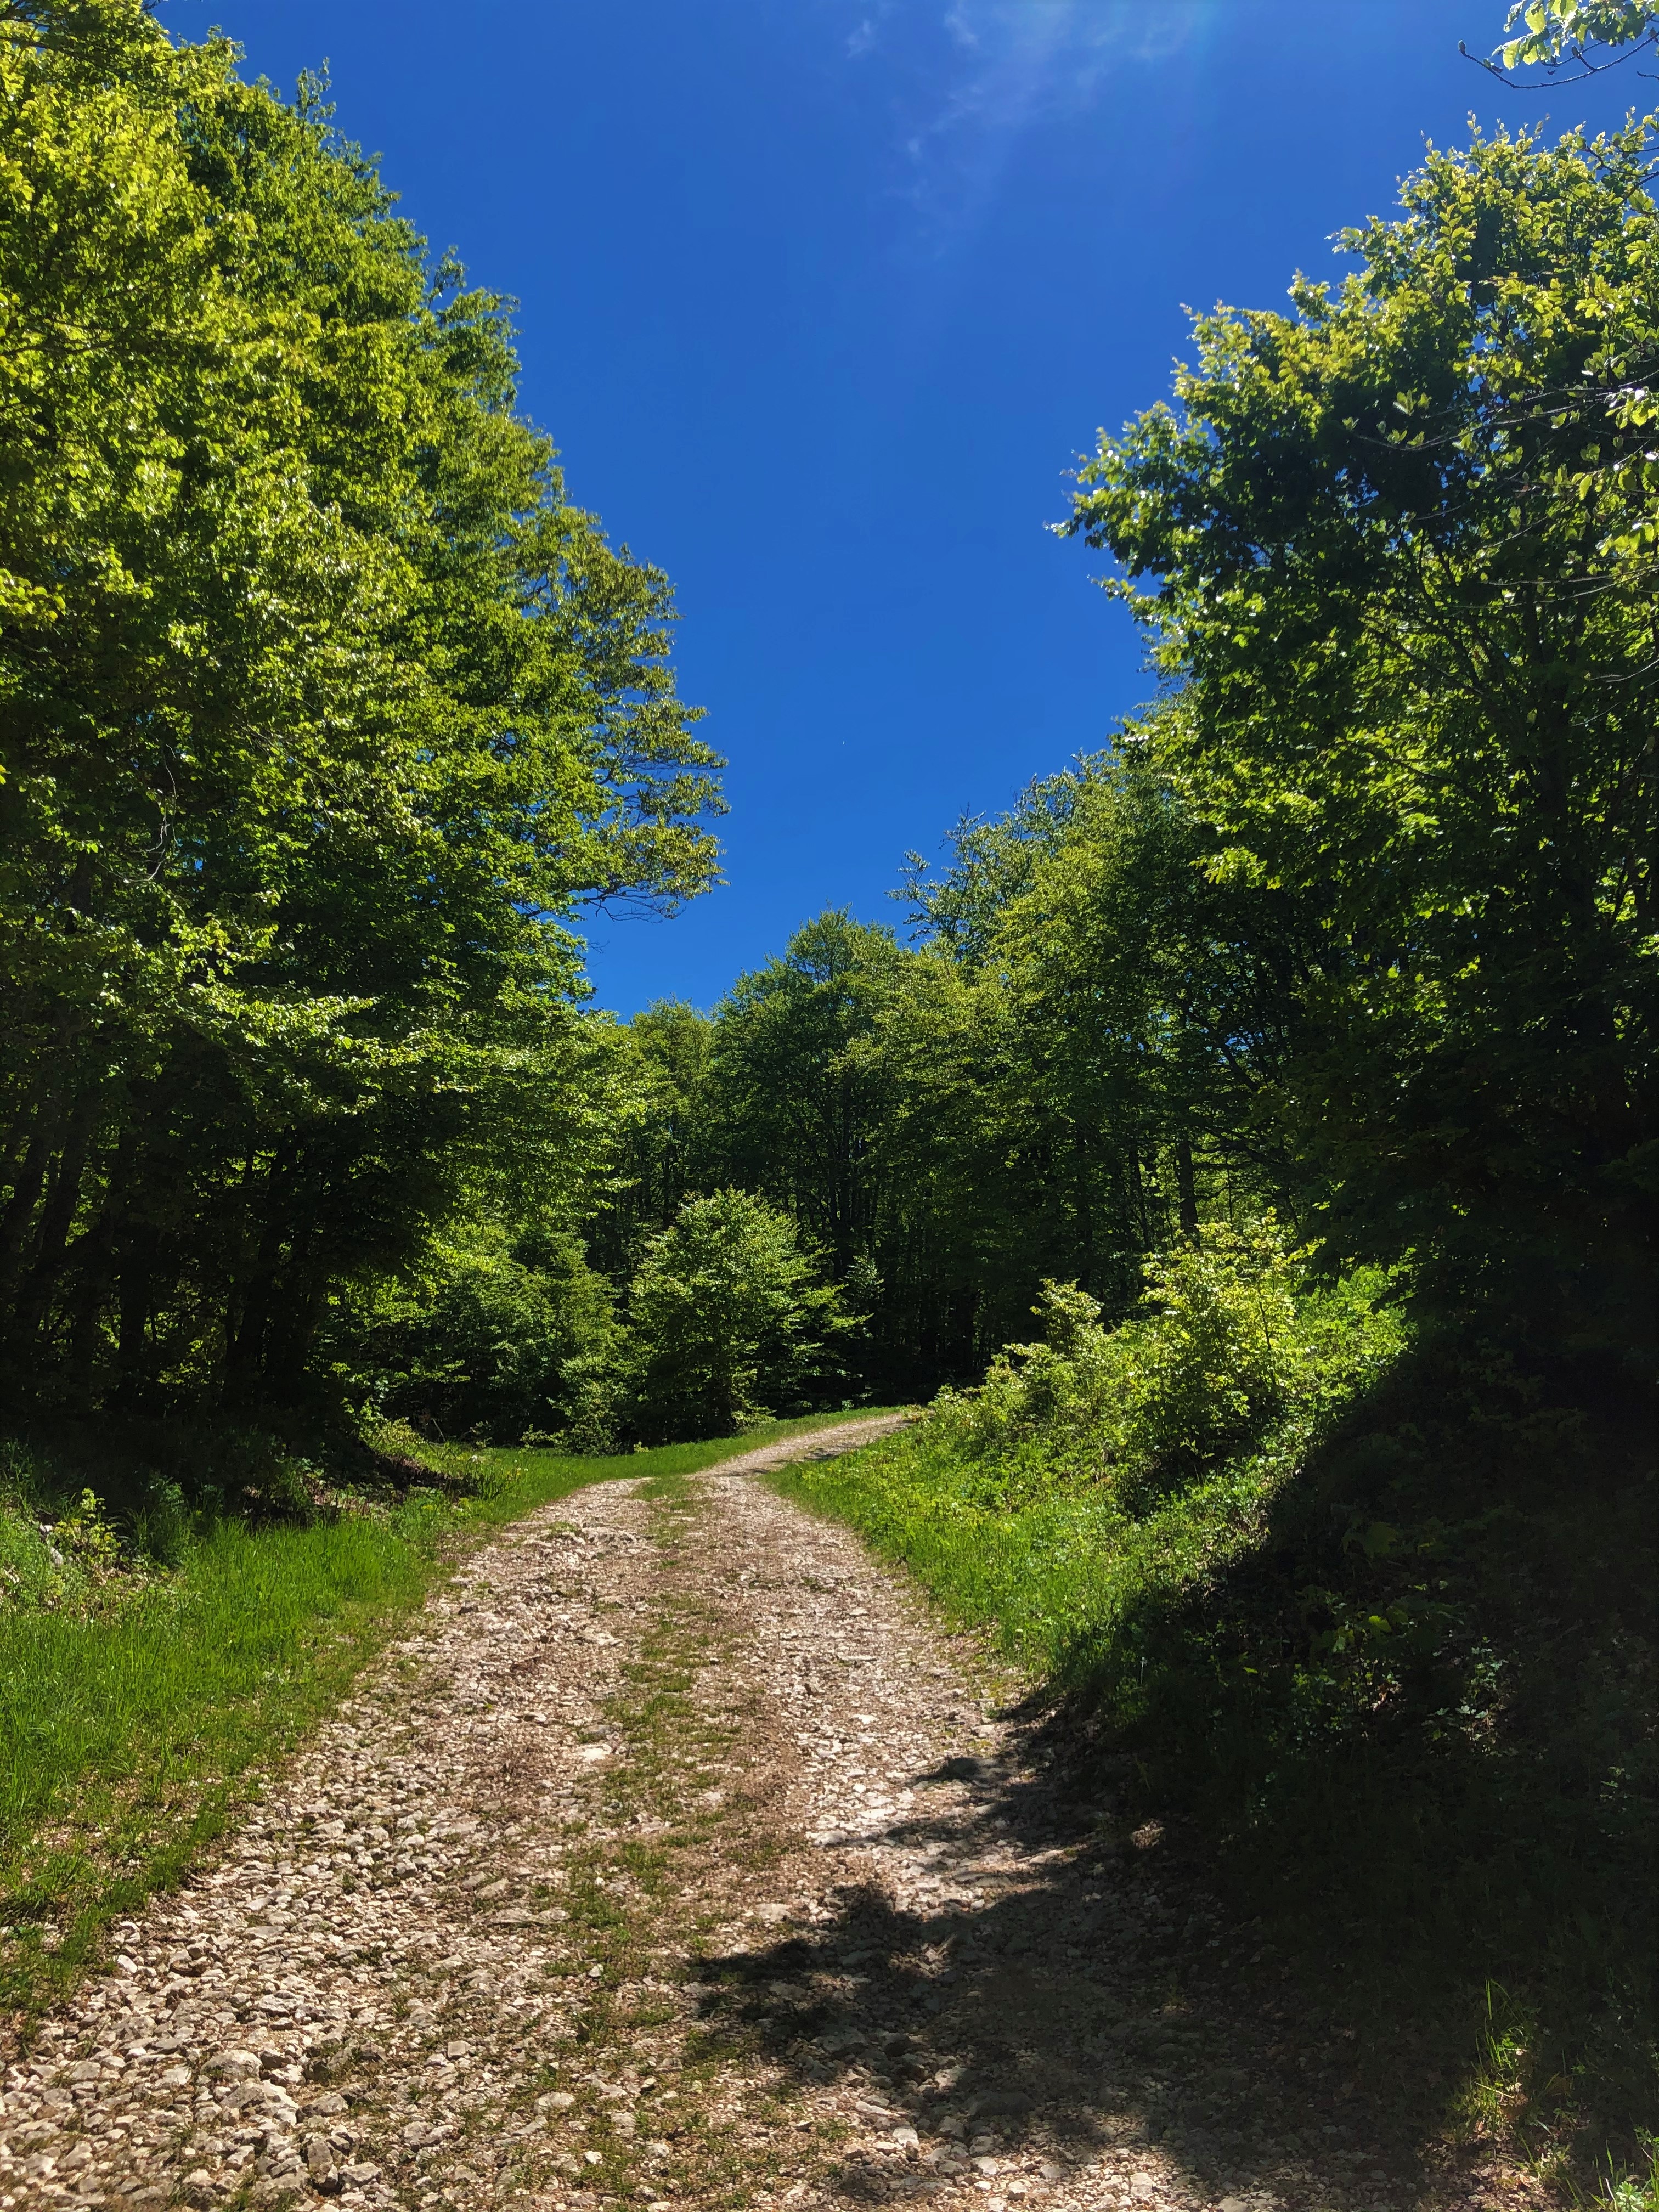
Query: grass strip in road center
[{"x": 668, "y": 2099}]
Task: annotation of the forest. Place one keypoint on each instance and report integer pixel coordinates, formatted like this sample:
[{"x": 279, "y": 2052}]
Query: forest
[
  {"x": 326, "y": 711},
  {"x": 1246, "y": 1145}
]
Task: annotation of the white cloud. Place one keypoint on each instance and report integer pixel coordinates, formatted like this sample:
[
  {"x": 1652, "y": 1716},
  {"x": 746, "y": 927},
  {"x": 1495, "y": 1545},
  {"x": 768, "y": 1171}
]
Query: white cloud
[
  {"x": 997, "y": 69},
  {"x": 1024, "y": 58}
]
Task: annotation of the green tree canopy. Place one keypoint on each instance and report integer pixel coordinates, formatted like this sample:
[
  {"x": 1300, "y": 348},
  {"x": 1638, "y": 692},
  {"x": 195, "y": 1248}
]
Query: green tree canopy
[
  {"x": 1400, "y": 542},
  {"x": 323, "y": 707},
  {"x": 727, "y": 1317},
  {"x": 1589, "y": 34}
]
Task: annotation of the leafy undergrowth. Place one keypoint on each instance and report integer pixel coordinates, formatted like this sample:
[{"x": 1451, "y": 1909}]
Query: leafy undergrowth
[
  {"x": 142, "y": 1696},
  {"x": 1370, "y": 1619}
]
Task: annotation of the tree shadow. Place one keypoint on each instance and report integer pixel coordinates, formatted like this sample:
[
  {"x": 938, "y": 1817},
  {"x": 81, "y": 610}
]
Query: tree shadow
[
  {"x": 1409, "y": 1732},
  {"x": 1066, "y": 2012}
]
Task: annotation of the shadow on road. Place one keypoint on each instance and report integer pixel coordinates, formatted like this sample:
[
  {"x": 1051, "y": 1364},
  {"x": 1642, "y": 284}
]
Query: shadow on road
[{"x": 1068, "y": 1998}]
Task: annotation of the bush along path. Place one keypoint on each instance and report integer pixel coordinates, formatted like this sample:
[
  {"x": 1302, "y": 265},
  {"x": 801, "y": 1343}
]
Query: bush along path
[{"x": 676, "y": 1858}]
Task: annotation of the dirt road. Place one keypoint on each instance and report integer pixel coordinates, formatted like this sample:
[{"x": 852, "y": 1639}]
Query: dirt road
[{"x": 678, "y": 1857}]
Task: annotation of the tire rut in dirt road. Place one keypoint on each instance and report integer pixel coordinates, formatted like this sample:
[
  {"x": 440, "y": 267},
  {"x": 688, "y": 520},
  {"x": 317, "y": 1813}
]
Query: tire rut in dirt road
[{"x": 677, "y": 1857}]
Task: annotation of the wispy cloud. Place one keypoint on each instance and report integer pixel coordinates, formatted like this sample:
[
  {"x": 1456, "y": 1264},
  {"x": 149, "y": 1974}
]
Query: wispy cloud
[{"x": 993, "y": 70}]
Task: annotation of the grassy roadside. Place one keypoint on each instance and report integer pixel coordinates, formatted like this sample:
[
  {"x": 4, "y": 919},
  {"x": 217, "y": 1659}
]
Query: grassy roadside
[
  {"x": 130, "y": 1729},
  {"x": 1045, "y": 1580}
]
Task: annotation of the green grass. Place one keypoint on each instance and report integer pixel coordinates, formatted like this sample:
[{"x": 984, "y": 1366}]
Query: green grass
[
  {"x": 130, "y": 1731},
  {"x": 1050, "y": 1577}
]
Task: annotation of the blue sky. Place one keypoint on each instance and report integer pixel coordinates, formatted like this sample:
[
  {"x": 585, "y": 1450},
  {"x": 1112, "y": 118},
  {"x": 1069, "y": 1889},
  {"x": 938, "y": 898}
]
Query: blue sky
[{"x": 822, "y": 298}]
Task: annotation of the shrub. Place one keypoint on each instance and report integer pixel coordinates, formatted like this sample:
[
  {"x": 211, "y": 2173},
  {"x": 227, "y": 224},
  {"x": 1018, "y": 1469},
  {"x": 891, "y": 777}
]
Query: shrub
[
  {"x": 1232, "y": 1338},
  {"x": 161, "y": 1521},
  {"x": 71, "y": 1564}
]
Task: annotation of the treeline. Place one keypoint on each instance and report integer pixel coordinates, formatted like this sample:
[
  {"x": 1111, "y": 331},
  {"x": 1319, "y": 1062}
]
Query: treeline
[
  {"x": 321, "y": 707},
  {"x": 1357, "y": 922},
  {"x": 324, "y": 709}
]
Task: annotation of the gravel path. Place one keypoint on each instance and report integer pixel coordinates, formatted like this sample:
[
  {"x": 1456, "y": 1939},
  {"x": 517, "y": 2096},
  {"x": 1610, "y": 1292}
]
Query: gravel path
[{"x": 678, "y": 1857}]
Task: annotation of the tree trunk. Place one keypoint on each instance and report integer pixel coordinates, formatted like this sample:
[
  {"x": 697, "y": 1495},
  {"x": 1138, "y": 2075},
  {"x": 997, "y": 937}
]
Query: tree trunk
[
  {"x": 57, "y": 1215},
  {"x": 1186, "y": 1188},
  {"x": 245, "y": 1347}
]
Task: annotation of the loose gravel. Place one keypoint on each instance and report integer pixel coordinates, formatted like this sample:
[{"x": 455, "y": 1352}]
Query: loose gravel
[{"x": 678, "y": 1857}]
